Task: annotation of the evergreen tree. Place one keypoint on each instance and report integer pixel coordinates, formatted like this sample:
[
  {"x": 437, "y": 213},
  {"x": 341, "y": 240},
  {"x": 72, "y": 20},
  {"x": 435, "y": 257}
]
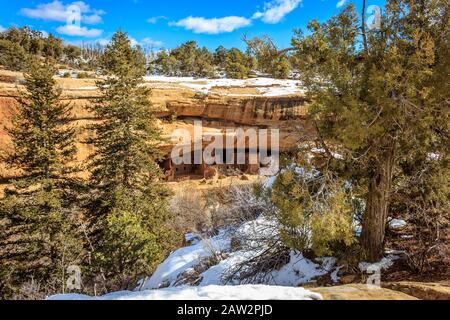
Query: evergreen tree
[
  {"x": 379, "y": 97},
  {"x": 237, "y": 64},
  {"x": 165, "y": 64},
  {"x": 53, "y": 47},
  {"x": 12, "y": 56},
  {"x": 220, "y": 56},
  {"x": 203, "y": 66},
  {"x": 269, "y": 59},
  {"x": 38, "y": 229},
  {"x": 128, "y": 209},
  {"x": 186, "y": 56},
  {"x": 72, "y": 54}
]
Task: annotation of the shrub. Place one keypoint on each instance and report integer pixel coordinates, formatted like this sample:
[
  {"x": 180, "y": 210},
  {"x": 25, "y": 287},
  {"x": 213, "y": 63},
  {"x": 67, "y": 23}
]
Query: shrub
[
  {"x": 12, "y": 56},
  {"x": 313, "y": 212},
  {"x": 83, "y": 75},
  {"x": 237, "y": 64}
]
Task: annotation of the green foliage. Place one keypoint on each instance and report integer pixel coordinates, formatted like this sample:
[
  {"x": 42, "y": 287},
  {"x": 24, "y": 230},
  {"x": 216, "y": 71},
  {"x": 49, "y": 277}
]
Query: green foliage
[
  {"x": 269, "y": 59},
  {"x": 203, "y": 66},
  {"x": 281, "y": 68},
  {"x": 164, "y": 64},
  {"x": 16, "y": 44},
  {"x": 133, "y": 238},
  {"x": 314, "y": 213},
  {"x": 380, "y": 101},
  {"x": 53, "y": 47},
  {"x": 237, "y": 64},
  {"x": 72, "y": 55},
  {"x": 39, "y": 230},
  {"x": 12, "y": 55},
  {"x": 128, "y": 212},
  {"x": 220, "y": 55},
  {"x": 335, "y": 225},
  {"x": 186, "y": 61},
  {"x": 31, "y": 41}
]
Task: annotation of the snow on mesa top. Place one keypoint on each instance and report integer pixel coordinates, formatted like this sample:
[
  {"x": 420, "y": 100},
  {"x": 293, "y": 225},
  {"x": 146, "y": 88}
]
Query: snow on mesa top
[{"x": 266, "y": 87}]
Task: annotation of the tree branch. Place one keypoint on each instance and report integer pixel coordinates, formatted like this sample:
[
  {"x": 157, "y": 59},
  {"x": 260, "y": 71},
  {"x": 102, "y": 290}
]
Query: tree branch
[{"x": 363, "y": 27}]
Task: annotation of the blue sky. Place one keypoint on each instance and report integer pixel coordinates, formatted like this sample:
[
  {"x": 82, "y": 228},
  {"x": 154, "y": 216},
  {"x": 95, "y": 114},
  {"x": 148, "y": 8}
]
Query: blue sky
[{"x": 168, "y": 23}]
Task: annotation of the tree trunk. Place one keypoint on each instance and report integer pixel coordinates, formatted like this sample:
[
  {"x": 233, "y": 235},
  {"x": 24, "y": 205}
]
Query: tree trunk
[{"x": 375, "y": 216}]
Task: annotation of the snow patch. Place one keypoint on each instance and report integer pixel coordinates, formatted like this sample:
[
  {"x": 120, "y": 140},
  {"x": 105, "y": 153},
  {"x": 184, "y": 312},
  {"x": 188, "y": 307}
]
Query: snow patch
[
  {"x": 266, "y": 87},
  {"x": 397, "y": 224},
  {"x": 299, "y": 270},
  {"x": 246, "y": 292},
  {"x": 186, "y": 258}
]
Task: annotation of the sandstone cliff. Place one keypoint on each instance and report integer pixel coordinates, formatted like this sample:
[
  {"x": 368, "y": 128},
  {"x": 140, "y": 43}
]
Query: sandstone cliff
[{"x": 259, "y": 104}]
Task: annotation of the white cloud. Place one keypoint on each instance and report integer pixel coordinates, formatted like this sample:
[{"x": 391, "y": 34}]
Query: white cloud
[
  {"x": 76, "y": 31},
  {"x": 103, "y": 42},
  {"x": 154, "y": 20},
  {"x": 2, "y": 29},
  {"x": 151, "y": 42},
  {"x": 133, "y": 41},
  {"x": 58, "y": 11},
  {"x": 106, "y": 41},
  {"x": 340, "y": 3},
  {"x": 213, "y": 25},
  {"x": 92, "y": 19},
  {"x": 276, "y": 10},
  {"x": 145, "y": 42}
]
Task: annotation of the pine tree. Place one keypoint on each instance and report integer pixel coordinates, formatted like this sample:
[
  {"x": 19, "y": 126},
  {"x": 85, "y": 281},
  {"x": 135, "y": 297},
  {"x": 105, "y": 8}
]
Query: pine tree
[
  {"x": 72, "y": 54},
  {"x": 53, "y": 47},
  {"x": 379, "y": 97},
  {"x": 237, "y": 64},
  {"x": 12, "y": 55},
  {"x": 38, "y": 233},
  {"x": 128, "y": 211},
  {"x": 219, "y": 56},
  {"x": 269, "y": 59},
  {"x": 203, "y": 66}
]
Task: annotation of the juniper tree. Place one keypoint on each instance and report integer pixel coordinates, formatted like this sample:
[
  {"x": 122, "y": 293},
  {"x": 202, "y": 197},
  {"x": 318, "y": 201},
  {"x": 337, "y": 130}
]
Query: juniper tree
[
  {"x": 128, "y": 209},
  {"x": 269, "y": 59},
  {"x": 203, "y": 66},
  {"x": 380, "y": 97},
  {"x": 12, "y": 55},
  {"x": 314, "y": 212},
  {"x": 237, "y": 64},
  {"x": 38, "y": 226},
  {"x": 220, "y": 54}
]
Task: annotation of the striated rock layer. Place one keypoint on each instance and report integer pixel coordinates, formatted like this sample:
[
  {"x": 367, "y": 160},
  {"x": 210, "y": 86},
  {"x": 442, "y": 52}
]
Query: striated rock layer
[{"x": 177, "y": 107}]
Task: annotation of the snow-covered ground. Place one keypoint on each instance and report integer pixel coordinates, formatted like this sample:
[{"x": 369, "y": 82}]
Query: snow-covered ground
[
  {"x": 266, "y": 87},
  {"x": 184, "y": 259},
  {"x": 247, "y": 292},
  {"x": 298, "y": 271},
  {"x": 282, "y": 284},
  {"x": 207, "y": 268}
]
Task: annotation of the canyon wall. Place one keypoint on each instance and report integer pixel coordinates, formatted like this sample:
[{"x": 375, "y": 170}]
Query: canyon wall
[{"x": 177, "y": 107}]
